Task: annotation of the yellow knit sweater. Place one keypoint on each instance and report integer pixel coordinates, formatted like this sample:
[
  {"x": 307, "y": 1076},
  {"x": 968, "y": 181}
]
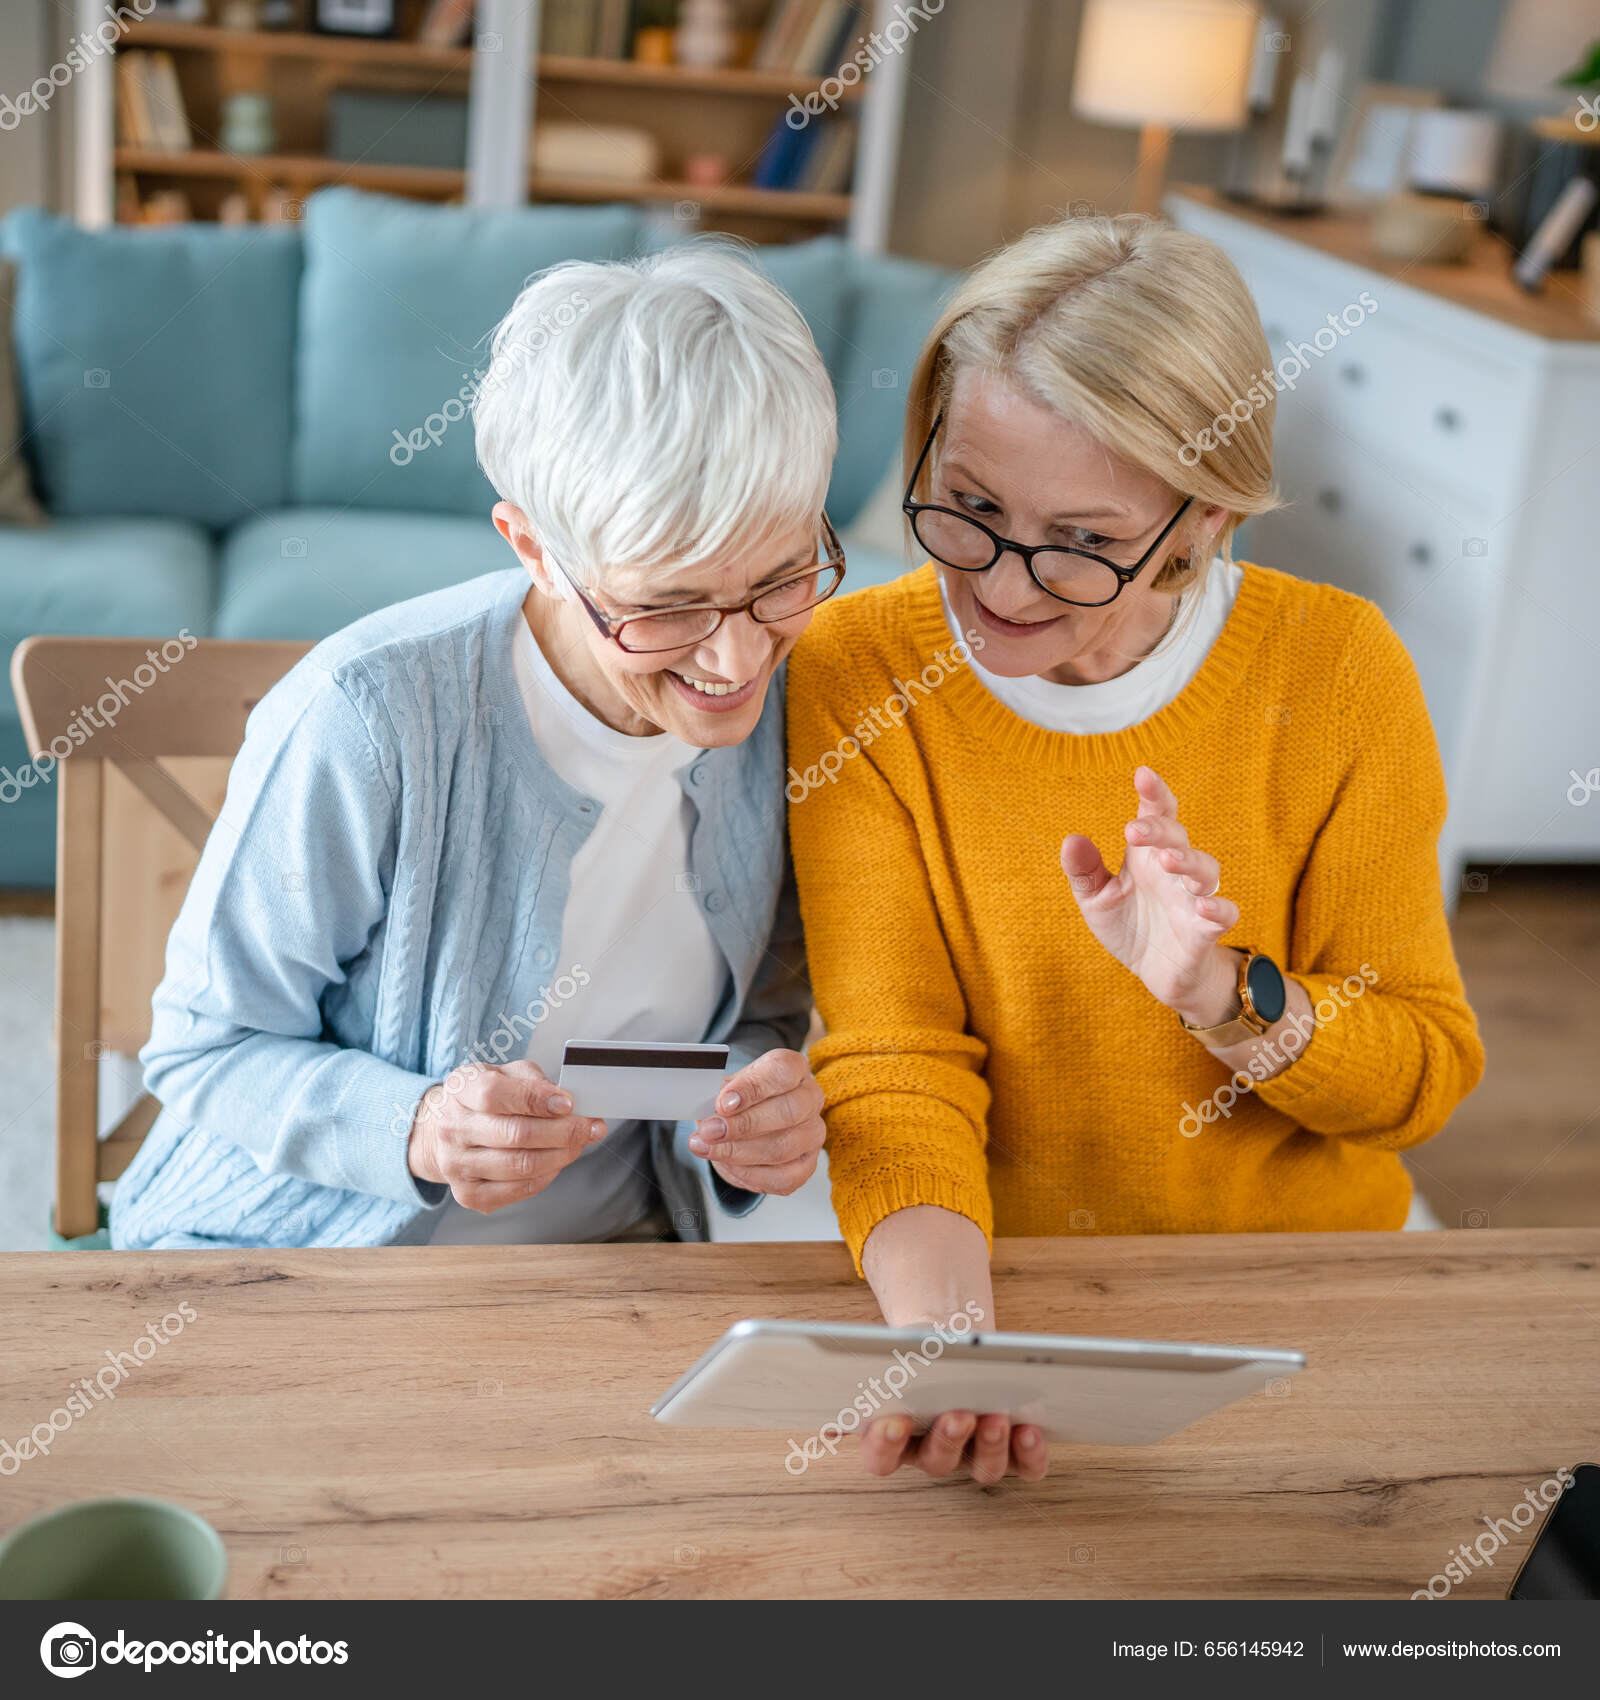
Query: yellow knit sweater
[{"x": 986, "y": 1054}]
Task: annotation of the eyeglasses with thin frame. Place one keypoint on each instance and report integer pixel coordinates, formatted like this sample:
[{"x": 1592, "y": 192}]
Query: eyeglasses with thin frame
[
  {"x": 961, "y": 541},
  {"x": 678, "y": 628}
]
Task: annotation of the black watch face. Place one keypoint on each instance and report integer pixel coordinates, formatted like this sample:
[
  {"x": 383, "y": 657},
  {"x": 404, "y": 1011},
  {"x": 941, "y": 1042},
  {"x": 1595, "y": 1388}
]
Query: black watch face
[{"x": 1268, "y": 994}]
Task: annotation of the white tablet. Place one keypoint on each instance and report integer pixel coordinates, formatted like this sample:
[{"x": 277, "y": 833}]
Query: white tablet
[{"x": 824, "y": 1379}]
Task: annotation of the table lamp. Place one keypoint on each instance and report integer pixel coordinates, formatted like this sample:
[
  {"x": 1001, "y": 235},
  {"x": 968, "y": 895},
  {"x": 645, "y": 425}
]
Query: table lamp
[{"x": 1164, "y": 65}]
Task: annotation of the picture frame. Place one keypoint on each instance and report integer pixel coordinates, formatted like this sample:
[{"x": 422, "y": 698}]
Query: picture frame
[{"x": 1369, "y": 162}]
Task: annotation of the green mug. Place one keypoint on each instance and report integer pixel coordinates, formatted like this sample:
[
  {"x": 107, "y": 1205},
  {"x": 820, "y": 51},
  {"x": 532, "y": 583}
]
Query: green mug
[{"x": 114, "y": 1549}]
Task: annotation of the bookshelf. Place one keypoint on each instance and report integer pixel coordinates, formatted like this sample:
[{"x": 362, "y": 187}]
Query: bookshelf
[{"x": 728, "y": 112}]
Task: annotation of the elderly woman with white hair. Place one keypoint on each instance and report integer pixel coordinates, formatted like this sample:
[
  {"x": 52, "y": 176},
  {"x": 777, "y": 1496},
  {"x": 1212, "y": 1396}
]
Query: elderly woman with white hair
[{"x": 544, "y": 805}]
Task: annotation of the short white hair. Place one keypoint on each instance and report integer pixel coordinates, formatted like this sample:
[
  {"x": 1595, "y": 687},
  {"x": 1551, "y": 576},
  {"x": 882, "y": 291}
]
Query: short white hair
[{"x": 650, "y": 412}]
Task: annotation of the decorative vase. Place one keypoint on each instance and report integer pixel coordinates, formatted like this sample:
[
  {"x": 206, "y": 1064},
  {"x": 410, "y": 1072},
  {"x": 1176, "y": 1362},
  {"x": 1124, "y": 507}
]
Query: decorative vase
[
  {"x": 705, "y": 34},
  {"x": 247, "y": 126},
  {"x": 653, "y": 44}
]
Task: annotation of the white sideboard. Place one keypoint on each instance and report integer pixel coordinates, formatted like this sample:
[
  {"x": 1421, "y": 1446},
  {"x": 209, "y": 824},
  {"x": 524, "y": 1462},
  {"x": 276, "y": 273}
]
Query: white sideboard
[{"x": 1443, "y": 459}]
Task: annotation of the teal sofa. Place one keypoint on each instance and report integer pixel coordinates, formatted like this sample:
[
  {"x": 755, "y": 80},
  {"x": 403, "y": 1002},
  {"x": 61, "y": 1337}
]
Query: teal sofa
[{"x": 220, "y": 420}]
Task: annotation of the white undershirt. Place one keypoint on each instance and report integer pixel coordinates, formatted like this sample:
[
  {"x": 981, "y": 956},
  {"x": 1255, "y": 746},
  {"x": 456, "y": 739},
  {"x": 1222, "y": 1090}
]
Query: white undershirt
[
  {"x": 1143, "y": 690},
  {"x": 634, "y": 925}
]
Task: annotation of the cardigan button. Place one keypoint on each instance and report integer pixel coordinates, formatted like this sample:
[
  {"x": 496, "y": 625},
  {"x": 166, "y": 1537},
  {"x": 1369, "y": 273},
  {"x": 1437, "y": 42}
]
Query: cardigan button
[
  {"x": 543, "y": 956},
  {"x": 697, "y": 773},
  {"x": 716, "y": 902}
]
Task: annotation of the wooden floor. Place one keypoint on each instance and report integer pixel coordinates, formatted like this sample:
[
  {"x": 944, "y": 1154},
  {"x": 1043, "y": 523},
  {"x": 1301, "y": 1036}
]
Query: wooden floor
[{"x": 1524, "y": 1150}]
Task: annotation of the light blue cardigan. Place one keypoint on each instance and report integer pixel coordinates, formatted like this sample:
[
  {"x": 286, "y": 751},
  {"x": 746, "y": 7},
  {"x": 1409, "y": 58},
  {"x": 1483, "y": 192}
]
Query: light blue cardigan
[{"x": 383, "y": 890}]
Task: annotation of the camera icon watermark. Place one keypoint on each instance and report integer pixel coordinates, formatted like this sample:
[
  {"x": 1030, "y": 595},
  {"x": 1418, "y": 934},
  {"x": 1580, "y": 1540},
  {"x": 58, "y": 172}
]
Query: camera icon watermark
[
  {"x": 1474, "y": 1218},
  {"x": 1478, "y": 211},
  {"x": 1279, "y": 41},
  {"x": 97, "y": 378},
  {"x": 1081, "y": 1221},
  {"x": 885, "y": 378},
  {"x": 293, "y": 548},
  {"x": 291, "y": 1555},
  {"x": 686, "y": 882},
  {"x": 688, "y": 211},
  {"x": 688, "y": 1221},
  {"x": 1080, "y": 1554},
  {"x": 685, "y": 1555},
  {"x": 1476, "y": 547},
  {"x": 1474, "y": 882},
  {"x": 1277, "y": 714},
  {"x": 488, "y": 1388},
  {"x": 490, "y": 42},
  {"x": 95, "y": 1048},
  {"x": 68, "y": 1649},
  {"x": 1278, "y": 1389},
  {"x": 490, "y": 714},
  {"x": 1082, "y": 209},
  {"x": 293, "y": 882}
]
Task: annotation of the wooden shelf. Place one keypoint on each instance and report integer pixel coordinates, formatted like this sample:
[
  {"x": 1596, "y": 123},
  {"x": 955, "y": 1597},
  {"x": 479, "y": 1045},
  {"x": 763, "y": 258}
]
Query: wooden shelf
[
  {"x": 733, "y": 198},
  {"x": 631, "y": 73},
  {"x": 296, "y": 44},
  {"x": 311, "y": 170},
  {"x": 292, "y": 170},
  {"x": 552, "y": 68}
]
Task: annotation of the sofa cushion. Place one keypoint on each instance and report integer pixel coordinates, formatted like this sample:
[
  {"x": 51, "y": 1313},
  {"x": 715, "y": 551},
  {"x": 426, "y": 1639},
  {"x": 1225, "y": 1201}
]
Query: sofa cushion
[
  {"x": 134, "y": 577},
  {"x": 894, "y": 304},
  {"x": 156, "y": 365},
  {"x": 306, "y": 572},
  {"x": 396, "y": 306}
]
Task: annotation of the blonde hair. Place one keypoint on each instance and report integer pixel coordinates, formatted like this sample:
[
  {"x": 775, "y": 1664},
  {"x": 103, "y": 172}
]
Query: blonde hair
[{"x": 1144, "y": 335}]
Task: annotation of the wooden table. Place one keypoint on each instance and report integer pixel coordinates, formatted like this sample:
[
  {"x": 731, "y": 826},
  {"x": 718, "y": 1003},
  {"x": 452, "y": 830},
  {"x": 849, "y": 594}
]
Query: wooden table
[{"x": 473, "y": 1421}]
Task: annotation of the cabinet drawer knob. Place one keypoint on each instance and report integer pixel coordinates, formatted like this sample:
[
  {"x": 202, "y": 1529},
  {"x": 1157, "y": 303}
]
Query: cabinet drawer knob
[
  {"x": 1330, "y": 499},
  {"x": 1447, "y": 419}
]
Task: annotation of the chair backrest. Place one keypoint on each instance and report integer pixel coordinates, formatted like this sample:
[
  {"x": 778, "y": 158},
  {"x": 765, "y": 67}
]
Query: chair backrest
[{"x": 194, "y": 702}]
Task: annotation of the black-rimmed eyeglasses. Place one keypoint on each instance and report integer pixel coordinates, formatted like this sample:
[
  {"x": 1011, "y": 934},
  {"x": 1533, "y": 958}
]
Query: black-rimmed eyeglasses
[
  {"x": 1077, "y": 576},
  {"x": 678, "y": 628}
]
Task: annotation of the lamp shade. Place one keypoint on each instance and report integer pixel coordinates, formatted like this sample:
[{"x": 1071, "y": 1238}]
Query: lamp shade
[
  {"x": 1539, "y": 41},
  {"x": 1180, "y": 63}
]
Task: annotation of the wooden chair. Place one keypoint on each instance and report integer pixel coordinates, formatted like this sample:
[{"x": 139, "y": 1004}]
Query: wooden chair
[{"x": 191, "y": 713}]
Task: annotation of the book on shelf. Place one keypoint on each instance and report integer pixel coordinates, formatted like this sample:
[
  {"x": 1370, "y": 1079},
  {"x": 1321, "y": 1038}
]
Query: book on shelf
[
  {"x": 807, "y": 37},
  {"x": 613, "y": 30},
  {"x": 831, "y": 164},
  {"x": 780, "y": 40},
  {"x": 826, "y": 40},
  {"x": 149, "y": 103},
  {"x": 786, "y": 156},
  {"x": 446, "y": 23},
  {"x": 567, "y": 28}
]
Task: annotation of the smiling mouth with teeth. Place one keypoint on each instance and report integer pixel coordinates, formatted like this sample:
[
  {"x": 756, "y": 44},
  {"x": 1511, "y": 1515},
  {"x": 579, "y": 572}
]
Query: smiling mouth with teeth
[{"x": 706, "y": 688}]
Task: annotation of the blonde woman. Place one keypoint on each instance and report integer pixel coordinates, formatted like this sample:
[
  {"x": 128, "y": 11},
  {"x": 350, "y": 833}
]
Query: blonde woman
[{"x": 1132, "y": 923}]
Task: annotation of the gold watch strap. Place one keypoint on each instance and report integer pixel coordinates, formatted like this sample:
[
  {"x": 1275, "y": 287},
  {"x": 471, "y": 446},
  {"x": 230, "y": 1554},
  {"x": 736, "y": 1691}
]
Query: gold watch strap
[{"x": 1245, "y": 1025}]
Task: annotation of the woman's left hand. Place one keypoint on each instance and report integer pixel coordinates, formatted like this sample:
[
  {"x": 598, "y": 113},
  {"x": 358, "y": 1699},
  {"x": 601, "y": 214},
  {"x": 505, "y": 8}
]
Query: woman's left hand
[
  {"x": 1159, "y": 915},
  {"x": 768, "y": 1130}
]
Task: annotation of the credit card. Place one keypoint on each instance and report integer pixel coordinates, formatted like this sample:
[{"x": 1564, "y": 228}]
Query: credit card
[{"x": 633, "y": 1081}]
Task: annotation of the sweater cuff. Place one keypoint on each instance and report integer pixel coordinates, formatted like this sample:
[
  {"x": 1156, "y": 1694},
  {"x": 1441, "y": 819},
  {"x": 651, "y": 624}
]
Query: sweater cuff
[
  {"x": 862, "y": 1206},
  {"x": 1316, "y": 1077},
  {"x": 374, "y": 1117}
]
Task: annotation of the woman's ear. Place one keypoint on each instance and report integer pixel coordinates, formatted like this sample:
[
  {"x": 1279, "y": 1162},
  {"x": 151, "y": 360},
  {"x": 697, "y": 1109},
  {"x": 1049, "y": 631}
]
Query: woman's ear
[
  {"x": 512, "y": 524},
  {"x": 1213, "y": 522}
]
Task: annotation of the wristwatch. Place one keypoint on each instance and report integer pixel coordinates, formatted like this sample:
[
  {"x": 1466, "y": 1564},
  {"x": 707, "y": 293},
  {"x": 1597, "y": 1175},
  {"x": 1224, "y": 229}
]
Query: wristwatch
[{"x": 1263, "y": 997}]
